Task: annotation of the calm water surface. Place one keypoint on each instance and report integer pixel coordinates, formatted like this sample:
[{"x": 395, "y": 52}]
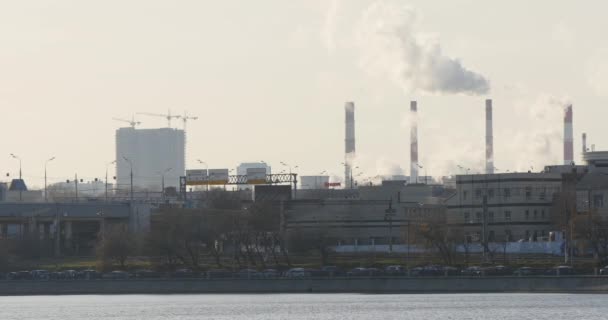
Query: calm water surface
[{"x": 308, "y": 306}]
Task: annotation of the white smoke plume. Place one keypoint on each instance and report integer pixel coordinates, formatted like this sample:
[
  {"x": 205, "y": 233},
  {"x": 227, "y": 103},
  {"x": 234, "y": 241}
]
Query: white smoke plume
[
  {"x": 542, "y": 142},
  {"x": 329, "y": 25},
  {"x": 390, "y": 44}
]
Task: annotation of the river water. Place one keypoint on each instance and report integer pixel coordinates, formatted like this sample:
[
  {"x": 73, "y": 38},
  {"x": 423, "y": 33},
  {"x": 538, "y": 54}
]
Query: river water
[{"x": 308, "y": 306}]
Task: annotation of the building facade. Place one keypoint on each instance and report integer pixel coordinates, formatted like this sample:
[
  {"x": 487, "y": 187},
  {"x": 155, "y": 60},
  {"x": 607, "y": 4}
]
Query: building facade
[
  {"x": 152, "y": 154},
  {"x": 504, "y": 207}
]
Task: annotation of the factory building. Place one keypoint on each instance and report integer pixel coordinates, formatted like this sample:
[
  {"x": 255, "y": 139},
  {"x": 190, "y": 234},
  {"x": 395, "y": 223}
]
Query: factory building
[
  {"x": 151, "y": 154},
  {"x": 509, "y": 206}
]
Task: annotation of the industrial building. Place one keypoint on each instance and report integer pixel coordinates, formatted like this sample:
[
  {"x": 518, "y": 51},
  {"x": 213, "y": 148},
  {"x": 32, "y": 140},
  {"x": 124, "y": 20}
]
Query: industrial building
[{"x": 151, "y": 155}]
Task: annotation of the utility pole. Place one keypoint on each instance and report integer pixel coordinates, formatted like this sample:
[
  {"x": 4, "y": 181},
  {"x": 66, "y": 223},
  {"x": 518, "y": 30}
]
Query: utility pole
[
  {"x": 106, "y": 187},
  {"x": 46, "y": 199},
  {"x": 76, "y": 185},
  {"x": 388, "y": 216},
  {"x": 22, "y": 184}
]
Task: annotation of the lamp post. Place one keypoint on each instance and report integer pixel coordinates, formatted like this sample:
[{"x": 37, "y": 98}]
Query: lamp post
[
  {"x": 388, "y": 216},
  {"x": 106, "y": 188},
  {"x": 206, "y": 172},
  {"x": 20, "y": 177},
  {"x": 45, "y": 184},
  {"x": 131, "y": 176},
  {"x": 162, "y": 174}
]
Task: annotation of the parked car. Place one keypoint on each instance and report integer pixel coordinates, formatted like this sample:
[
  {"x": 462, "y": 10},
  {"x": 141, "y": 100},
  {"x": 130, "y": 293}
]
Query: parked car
[
  {"x": 604, "y": 271},
  {"x": 147, "y": 274},
  {"x": 358, "y": 272},
  {"x": 40, "y": 275},
  {"x": 473, "y": 271},
  {"x": 295, "y": 273},
  {"x": 561, "y": 271},
  {"x": 248, "y": 274},
  {"x": 269, "y": 273},
  {"x": 219, "y": 274},
  {"x": 497, "y": 271},
  {"x": 88, "y": 275},
  {"x": 431, "y": 271},
  {"x": 394, "y": 270},
  {"x": 332, "y": 271},
  {"x": 184, "y": 273},
  {"x": 116, "y": 275},
  {"x": 528, "y": 271}
]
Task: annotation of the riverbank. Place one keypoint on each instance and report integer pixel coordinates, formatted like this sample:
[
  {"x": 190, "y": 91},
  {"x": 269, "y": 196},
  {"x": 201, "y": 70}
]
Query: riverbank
[{"x": 584, "y": 284}]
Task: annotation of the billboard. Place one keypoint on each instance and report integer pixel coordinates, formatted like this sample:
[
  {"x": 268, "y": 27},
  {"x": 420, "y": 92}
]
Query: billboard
[
  {"x": 218, "y": 176},
  {"x": 256, "y": 175},
  {"x": 196, "y": 177}
]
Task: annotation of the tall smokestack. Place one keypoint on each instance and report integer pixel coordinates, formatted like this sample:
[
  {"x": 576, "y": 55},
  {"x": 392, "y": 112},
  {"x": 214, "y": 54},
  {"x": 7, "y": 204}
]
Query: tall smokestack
[
  {"x": 584, "y": 143},
  {"x": 489, "y": 138},
  {"x": 349, "y": 144},
  {"x": 568, "y": 137},
  {"x": 414, "y": 142}
]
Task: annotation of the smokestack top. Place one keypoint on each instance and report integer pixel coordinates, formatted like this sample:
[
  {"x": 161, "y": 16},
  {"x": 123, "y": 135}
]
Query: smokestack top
[
  {"x": 349, "y": 106},
  {"x": 568, "y": 114},
  {"x": 413, "y": 105}
]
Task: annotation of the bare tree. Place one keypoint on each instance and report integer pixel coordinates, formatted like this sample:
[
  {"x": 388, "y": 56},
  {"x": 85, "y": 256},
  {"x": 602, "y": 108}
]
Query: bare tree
[{"x": 115, "y": 246}]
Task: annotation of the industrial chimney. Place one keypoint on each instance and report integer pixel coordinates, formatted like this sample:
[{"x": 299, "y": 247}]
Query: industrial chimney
[
  {"x": 414, "y": 142},
  {"x": 489, "y": 138},
  {"x": 584, "y": 143},
  {"x": 349, "y": 144},
  {"x": 568, "y": 137}
]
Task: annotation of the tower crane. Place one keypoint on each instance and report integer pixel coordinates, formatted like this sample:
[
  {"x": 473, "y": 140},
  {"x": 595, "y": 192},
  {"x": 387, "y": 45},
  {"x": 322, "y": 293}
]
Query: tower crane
[
  {"x": 167, "y": 116},
  {"x": 185, "y": 119},
  {"x": 132, "y": 122}
]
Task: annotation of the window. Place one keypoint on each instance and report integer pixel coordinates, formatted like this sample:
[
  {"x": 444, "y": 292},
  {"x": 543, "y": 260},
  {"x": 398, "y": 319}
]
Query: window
[
  {"x": 542, "y": 193},
  {"x": 478, "y": 216},
  {"x": 542, "y": 213},
  {"x": 598, "y": 200},
  {"x": 507, "y": 193},
  {"x": 535, "y": 214},
  {"x": 528, "y": 193},
  {"x": 477, "y": 193},
  {"x": 535, "y": 236},
  {"x": 491, "y": 216},
  {"x": 527, "y": 235},
  {"x": 508, "y": 235},
  {"x": 467, "y": 217},
  {"x": 527, "y": 215},
  {"x": 507, "y": 215},
  {"x": 490, "y": 193},
  {"x": 464, "y": 194}
]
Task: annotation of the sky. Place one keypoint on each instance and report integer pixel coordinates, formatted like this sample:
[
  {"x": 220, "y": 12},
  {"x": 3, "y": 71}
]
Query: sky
[{"x": 268, "y": 80}]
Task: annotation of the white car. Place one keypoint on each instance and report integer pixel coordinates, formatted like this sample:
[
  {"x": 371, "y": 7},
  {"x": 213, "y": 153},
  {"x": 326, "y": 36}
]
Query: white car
[{"x": 296, "y": 273}]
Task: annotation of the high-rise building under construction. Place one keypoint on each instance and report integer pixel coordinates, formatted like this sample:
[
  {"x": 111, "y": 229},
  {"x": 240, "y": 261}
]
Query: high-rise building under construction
[{"x": 152, "y": 154}]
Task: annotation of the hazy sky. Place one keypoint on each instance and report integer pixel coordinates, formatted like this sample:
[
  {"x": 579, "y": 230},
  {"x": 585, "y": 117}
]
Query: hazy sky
[{"x": 269, "y": 79}]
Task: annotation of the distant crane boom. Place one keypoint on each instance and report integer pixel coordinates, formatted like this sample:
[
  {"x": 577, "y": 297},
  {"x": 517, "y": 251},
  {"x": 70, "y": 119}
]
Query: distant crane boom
[
  {"x": 167, "y": 116},
  {"x": 132, "y": 122},
  {"x": 185, "y": 119}
]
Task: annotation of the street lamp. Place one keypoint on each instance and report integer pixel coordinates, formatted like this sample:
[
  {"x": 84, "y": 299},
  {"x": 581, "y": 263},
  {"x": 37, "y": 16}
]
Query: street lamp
[
  {"x": 131, "y": 174},
  {"x": 20, "y": 178},
  {"x": 162, "y": 174},
  {"x": 206, "y": 172},
  {"x": 45, "y": 185},
  {"x": 106, "y": 189}
]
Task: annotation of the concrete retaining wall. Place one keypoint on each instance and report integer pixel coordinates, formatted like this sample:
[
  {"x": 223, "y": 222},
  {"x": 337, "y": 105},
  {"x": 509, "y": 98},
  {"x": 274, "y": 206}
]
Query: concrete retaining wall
[{"x": 361, "y": 285}]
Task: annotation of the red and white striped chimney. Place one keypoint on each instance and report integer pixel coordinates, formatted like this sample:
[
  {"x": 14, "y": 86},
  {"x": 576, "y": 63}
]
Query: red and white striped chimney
[
  {"x": 568, "y": 136},
  {"x": 413, "y": 142},
  {"x": 489, "y": 138}
]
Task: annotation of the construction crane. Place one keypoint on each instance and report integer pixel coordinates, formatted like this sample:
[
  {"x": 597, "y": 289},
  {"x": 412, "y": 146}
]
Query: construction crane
[
  {"x": 132, "y": 122},
  {"x": 185, "y": 119},
  {"x": 167, "y": 116}
]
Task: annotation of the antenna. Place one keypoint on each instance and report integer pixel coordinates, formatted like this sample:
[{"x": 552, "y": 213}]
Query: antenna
[
  {"x": 132, "y": 122},
  {"x": 167, "y": 116}
]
